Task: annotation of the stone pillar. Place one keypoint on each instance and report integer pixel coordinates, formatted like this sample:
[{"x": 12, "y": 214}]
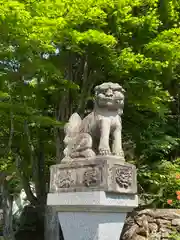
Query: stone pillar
[{"x": 92, "y": 198}]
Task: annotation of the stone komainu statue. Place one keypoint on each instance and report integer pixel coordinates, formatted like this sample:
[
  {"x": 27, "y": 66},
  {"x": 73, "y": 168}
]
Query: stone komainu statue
[{"x": 99, "y": 133}]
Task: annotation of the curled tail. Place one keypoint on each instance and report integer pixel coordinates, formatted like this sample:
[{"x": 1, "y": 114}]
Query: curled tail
[
  {"x": 77, "y": 144},
  {"x": 72, "y": 128}
]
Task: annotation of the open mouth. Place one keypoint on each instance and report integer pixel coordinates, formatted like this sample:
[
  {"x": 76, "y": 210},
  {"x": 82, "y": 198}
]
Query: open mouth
[{"x": 108, "y": 98}]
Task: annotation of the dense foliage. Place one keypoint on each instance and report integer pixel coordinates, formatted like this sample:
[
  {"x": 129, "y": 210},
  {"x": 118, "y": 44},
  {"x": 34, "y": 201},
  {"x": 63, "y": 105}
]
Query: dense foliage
[{"x": 52, "y": 54}]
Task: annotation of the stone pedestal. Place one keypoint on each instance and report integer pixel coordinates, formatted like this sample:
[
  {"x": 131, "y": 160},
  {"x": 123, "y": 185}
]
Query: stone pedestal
[
  {"x": 95, "y": 215},
  {"x": 91, "y": 198}
]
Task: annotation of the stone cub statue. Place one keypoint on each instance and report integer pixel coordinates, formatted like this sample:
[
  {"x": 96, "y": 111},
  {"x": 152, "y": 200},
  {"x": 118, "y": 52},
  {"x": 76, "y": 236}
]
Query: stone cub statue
[{"x": 99, "y": 133}]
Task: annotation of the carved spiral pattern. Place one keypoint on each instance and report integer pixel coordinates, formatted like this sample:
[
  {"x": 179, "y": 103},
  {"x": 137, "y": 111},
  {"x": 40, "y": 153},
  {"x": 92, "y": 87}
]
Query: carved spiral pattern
[
  {"x": 124, "y": 177},
  {"x": 90, "y": 177},
  {"x": 65, "y": 181}
]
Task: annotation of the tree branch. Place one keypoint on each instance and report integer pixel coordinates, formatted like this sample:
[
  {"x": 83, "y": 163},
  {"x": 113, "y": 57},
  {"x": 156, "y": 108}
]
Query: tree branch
[
  {"x": 25, "y": 181},
  {"x": 33, "y": 158}
]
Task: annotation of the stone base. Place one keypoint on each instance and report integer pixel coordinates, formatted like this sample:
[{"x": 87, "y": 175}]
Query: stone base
[
  {"x": 92, "y": 226},
  {"x": 95, "y": 215},
  {"x": 106, "y": 173}
]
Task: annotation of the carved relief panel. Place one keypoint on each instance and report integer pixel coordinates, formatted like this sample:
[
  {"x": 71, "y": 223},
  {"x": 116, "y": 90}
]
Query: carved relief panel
[
  {"x": 124, "y": 176},
  {"x": 103, "y": 174},
  {"x": 91, "y": 177}
]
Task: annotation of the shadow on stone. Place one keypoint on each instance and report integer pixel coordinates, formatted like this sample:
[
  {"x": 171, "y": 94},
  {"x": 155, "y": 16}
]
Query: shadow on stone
[{"x": 30, "y": 225}]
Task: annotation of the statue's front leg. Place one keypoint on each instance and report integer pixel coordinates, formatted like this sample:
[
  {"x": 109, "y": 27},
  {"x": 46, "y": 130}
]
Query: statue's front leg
[
  {"x": 117, "y": 142},
  {"x": 104, "y": 148}
]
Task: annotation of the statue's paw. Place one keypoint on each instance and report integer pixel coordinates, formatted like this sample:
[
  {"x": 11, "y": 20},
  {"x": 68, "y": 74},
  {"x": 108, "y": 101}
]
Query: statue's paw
[
  {"x": 90, "y": 154},
  {"x": 118, "y": 153},
  {"x": 104, "y": 151}
]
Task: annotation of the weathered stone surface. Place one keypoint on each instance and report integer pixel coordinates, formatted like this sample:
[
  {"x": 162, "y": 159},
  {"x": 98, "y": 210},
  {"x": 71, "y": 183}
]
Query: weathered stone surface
[
  {"x": 85, "y": 138},
  {"x": 161, "y": 222},
  {"x": 108, "y": 173},
  {"x": 138, "y": 237},
  {"x": 155, "y": 236},
  {"x": 176, "y": 222},
  {"x": 153, "y": 227},
  {"x": 165, "y": 234},
  {"x": 167, "y": 214},
  {"x": 164, "y": 230},
  {"x": 130, "y": 232},
  {"x": 151, "y": 224}
]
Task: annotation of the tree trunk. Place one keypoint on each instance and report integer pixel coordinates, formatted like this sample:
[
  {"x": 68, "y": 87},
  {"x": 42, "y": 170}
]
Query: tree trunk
[{"x": 7, "y": 201}]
